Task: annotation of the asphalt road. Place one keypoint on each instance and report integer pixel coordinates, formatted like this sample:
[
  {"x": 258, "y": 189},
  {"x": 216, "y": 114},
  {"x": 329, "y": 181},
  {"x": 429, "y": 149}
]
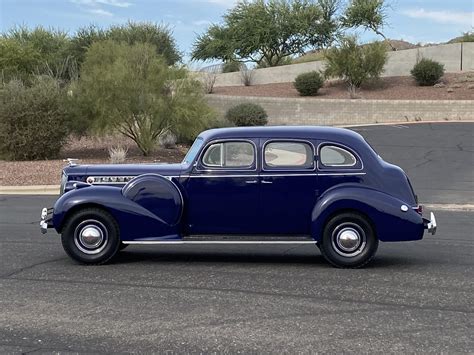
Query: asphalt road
[{"x": 414, "y": 297}]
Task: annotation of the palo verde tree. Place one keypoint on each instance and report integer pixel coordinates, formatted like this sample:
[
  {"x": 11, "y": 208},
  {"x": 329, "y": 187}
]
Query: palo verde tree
[
  {"x": 267, "y": 32},
  {"x": 132, "y": 90},
  {"x": 160, "y": 36},
  {"x": 355, "y": 64},
  {"x": 26, "y": 52}
]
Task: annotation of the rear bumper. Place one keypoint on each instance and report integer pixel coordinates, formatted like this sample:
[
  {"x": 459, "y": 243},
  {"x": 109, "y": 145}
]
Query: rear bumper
[
  {"x": 46, "y": 219},
  {"x": 430, "y": 224}
]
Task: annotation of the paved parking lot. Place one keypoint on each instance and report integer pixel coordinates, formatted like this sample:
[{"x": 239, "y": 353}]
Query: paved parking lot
[{"x": 415, "y": 297}]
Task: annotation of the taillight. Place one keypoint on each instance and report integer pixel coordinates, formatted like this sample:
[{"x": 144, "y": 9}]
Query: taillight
[{"x": 418, "y": 209}]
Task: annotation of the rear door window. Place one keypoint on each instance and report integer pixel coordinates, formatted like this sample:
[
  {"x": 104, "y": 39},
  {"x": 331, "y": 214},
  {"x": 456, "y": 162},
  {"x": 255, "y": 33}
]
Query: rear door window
[{"x": 288, "y": 154}]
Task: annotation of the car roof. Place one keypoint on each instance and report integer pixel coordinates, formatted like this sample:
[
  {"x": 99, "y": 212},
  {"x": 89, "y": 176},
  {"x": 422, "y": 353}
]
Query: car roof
[{"x": 295, "y": 132}]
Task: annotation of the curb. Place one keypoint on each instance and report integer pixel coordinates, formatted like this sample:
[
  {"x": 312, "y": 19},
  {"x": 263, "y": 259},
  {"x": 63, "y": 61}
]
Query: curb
[{"x": 30, "y": 190}]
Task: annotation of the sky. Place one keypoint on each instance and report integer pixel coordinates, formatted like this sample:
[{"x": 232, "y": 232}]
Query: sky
[{"x": 411, "y": 20}]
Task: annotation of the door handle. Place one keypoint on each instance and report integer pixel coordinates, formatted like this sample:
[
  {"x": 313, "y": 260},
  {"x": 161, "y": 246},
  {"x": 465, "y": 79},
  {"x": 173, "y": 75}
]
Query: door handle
[
  {"x": 251, "y": 181},
  {"x": 267, "y": 182}
]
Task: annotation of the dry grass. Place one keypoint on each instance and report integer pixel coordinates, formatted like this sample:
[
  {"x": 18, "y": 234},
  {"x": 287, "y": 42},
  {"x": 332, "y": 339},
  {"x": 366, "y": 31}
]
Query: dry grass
[
  {"x": 90, "y": 150},
  {"x": 391, "y": 88}
]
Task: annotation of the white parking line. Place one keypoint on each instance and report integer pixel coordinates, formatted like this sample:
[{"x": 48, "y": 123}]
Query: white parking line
[{"x": 449, "y": 207}]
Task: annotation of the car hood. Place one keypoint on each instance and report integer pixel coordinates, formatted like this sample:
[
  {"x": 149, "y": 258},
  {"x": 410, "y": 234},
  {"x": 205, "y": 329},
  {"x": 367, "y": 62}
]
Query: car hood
[{"x": 124, "y": 169}]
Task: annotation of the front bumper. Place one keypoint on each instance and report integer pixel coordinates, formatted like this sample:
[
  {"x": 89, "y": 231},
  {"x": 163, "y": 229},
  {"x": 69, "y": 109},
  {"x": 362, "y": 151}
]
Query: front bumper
[
  {"x": 430, "y": 224},
  {"x": 46, "y": 219}
]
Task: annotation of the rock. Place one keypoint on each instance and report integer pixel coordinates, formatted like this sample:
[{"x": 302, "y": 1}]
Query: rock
[
  {"x": 456, "y": 86},
  {"x": 450, "y": 90},
  {"x": 470, "y": 86},
  {"x": 439, "y": 85}
]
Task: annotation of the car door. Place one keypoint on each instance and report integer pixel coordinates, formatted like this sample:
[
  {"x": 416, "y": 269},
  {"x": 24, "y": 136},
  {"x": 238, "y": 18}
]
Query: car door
[
  {"x": 288, "y": 183},
  {"x": 223, "y": 189}
]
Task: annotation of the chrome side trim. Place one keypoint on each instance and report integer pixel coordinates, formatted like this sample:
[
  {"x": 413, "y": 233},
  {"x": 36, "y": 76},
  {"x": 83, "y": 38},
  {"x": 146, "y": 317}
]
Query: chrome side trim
[
  {"x": 340, "y": 174},
  {"x": 177, "y": 242},
  {"x": 273, "y": 175},
  {"x": 96, "y": 180}
]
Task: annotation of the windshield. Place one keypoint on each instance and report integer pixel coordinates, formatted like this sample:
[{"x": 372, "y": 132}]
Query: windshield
[{"x": 191, "y": 155}]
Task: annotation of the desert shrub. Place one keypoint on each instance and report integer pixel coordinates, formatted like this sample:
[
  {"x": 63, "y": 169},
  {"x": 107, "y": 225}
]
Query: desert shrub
[
  {"x": 427, "y": 72},
  {"x": 168, "y": 140},
  {"x": 309, "y": 83},
  {"x": 117, "y": 155},
  {"x": 33, "y": 119},
  {"x": 208, "y": 80},
  {"x": 231, "y": 67},
  {"x": 247, "y": 114},
  {"x": 355, "y": 64},
  {"x": 246, "y": 75},
  {"x": 131, "y": 90}
]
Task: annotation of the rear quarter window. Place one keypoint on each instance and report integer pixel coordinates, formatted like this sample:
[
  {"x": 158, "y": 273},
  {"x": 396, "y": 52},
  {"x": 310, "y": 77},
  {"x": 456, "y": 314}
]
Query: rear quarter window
[{"x": 333, "y": 156}]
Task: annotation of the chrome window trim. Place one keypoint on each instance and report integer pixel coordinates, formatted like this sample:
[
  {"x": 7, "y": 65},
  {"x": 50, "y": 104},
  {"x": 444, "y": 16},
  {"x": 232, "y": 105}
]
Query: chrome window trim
[
  {"x": 339, "y": 167},
  {"x": 288, "y": 168},
  {"x": 201, "y": 153}
]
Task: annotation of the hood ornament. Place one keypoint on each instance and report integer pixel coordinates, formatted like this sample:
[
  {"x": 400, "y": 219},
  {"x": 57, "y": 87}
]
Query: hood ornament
[{"x": 71, "y": 161}]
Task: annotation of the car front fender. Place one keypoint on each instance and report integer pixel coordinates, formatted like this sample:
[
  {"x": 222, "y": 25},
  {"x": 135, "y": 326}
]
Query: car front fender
[
  {"x": 385, "y": 212},
  {"x": 148, "y": 207}
]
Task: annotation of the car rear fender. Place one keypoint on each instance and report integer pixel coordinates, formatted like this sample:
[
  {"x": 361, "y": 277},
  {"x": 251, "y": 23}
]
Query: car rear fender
[{"x": 391, "y": 221}]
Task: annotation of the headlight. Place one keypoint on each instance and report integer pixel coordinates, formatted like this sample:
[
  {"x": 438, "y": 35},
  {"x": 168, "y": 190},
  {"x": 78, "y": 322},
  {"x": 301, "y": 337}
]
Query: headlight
[{"x": 63, "y": 183}]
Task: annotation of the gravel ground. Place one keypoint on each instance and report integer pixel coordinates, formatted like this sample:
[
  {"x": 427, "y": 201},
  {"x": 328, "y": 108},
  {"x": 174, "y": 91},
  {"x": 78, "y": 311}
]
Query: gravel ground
[
  {"x": 89, "y": 151},
  {"x": 392, "y": 88}
]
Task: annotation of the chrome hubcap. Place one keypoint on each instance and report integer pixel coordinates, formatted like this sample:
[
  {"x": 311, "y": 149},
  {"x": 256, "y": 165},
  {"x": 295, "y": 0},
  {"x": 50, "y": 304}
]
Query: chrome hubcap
[
  {"x": 348, "y": 239},
  {"x": 90, "y": 237}
]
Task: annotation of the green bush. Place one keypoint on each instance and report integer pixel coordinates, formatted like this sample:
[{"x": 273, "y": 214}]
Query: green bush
[
  {"x": 308, "y": 84},
  {"x": 231, "y": 67},
  {"x": 355, "y": 64},
  {"x": 247, "y": 114},
  {"x": 132, "y": 90},
  {"x": 427, "y": 72},
  {"x": 33, "y": 120}
]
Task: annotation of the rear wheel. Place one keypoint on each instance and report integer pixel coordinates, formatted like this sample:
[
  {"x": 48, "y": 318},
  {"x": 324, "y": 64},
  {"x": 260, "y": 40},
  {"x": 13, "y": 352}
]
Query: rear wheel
[
  {"x": 91, "y": 236},
  {"x": 349, "y": 241}
]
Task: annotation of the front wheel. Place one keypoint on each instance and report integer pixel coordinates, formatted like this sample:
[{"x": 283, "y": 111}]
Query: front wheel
[
  {"x": 91, "y": 236},
  {"x": 348, "y": 241}
]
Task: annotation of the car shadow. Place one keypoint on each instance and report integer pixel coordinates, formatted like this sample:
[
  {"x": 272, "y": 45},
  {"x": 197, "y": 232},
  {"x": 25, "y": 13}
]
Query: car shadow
[
  {"x": 140, "y": 256},
  {"x": 312, "y": 257}
]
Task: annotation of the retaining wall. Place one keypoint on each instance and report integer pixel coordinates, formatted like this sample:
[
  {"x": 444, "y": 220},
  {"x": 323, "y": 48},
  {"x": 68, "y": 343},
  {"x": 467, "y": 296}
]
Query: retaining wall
[
  {"x": 307, "y": 111},
  {"x": 456, "y": 57}
]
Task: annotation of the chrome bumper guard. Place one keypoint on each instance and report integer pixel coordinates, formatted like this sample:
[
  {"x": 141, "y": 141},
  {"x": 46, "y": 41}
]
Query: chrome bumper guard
[
  {"x": 430, "y": 224},
  {"x": 45, "y": 221}
]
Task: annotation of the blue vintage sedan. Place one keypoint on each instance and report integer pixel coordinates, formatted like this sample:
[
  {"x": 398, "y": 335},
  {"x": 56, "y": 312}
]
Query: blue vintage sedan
[{"x": 252, "y": 185}]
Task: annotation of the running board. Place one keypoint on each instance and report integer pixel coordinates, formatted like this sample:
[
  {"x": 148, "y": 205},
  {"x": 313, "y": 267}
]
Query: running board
[{"x": 206, "y": 239}]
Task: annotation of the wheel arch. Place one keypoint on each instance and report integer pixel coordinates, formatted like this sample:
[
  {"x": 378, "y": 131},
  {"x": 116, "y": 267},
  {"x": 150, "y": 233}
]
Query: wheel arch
[
  {"x": 343, "y": 210},
  {"x": 78, "y": 207},
  {"x": 389, "y": 221}
]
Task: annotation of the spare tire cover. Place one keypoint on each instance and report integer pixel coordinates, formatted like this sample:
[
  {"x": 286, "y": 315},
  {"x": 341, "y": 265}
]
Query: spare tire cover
[{"x": 157, "y": 194}]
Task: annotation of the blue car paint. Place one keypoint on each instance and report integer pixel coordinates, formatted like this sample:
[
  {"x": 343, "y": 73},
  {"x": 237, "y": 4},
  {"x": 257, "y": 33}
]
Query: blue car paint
[{"x": 227, "y": 201}]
